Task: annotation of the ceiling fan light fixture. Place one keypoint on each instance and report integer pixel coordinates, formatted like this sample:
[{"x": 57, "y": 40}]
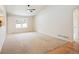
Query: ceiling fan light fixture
[{"x": 30, "y": 9}]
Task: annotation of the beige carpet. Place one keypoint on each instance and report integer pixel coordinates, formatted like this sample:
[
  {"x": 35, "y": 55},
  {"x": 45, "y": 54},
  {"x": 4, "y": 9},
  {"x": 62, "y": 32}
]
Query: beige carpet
[{"x": 32, "y": 42}]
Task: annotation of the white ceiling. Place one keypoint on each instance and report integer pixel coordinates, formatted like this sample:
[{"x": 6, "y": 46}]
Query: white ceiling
[{"x": 21, "y": 10}]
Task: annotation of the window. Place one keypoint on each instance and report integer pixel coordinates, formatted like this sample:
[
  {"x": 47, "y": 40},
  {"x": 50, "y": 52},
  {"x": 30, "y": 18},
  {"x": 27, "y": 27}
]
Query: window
[
  {"x": 24, "y": 25},
  {"x": 18, "y": 25}
]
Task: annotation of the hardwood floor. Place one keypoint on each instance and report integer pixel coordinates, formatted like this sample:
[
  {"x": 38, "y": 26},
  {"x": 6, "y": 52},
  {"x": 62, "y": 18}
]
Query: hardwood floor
[
  {"x": 37, "y": 43},
  {"x": 68, "y": 48}
]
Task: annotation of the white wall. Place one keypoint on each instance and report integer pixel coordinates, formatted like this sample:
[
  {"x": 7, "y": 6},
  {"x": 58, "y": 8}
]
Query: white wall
[
  {"x": 3, "y": 28},
  {"x": 12, "y": 24},
  {"x": 56, "y": 21}
]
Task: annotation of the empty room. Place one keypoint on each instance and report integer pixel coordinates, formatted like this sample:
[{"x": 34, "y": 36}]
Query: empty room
[{"x": 39, "y": 29}]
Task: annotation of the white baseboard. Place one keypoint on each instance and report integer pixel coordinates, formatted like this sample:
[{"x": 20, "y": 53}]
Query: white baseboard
[{"x": 55, "y": 36}]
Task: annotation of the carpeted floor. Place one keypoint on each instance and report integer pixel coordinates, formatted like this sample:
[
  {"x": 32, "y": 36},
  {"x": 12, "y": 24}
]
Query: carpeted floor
[{"x": 33, "y": 42}]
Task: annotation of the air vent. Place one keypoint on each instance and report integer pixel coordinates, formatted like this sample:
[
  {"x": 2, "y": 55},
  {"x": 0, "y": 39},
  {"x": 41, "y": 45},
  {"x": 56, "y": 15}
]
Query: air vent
[{"x": 63, "y": 36}]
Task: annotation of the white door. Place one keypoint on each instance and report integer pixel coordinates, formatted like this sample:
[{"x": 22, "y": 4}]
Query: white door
[{"x": 76, "y": 25}]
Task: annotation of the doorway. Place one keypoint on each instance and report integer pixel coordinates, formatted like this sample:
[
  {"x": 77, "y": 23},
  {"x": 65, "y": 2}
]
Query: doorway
[{"x": 76, "y": 25}]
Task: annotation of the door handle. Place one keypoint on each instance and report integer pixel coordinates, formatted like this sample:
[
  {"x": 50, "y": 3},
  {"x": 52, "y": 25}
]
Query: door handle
[{"x": 0, "y": 23}]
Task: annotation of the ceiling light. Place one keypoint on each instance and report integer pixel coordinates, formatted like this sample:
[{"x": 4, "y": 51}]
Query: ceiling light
[{"x": 30, "y": 9}]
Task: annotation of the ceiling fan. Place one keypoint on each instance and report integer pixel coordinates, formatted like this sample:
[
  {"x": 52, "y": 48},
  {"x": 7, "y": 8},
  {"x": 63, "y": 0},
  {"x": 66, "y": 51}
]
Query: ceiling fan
[{"x": 30, "y": 9}]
